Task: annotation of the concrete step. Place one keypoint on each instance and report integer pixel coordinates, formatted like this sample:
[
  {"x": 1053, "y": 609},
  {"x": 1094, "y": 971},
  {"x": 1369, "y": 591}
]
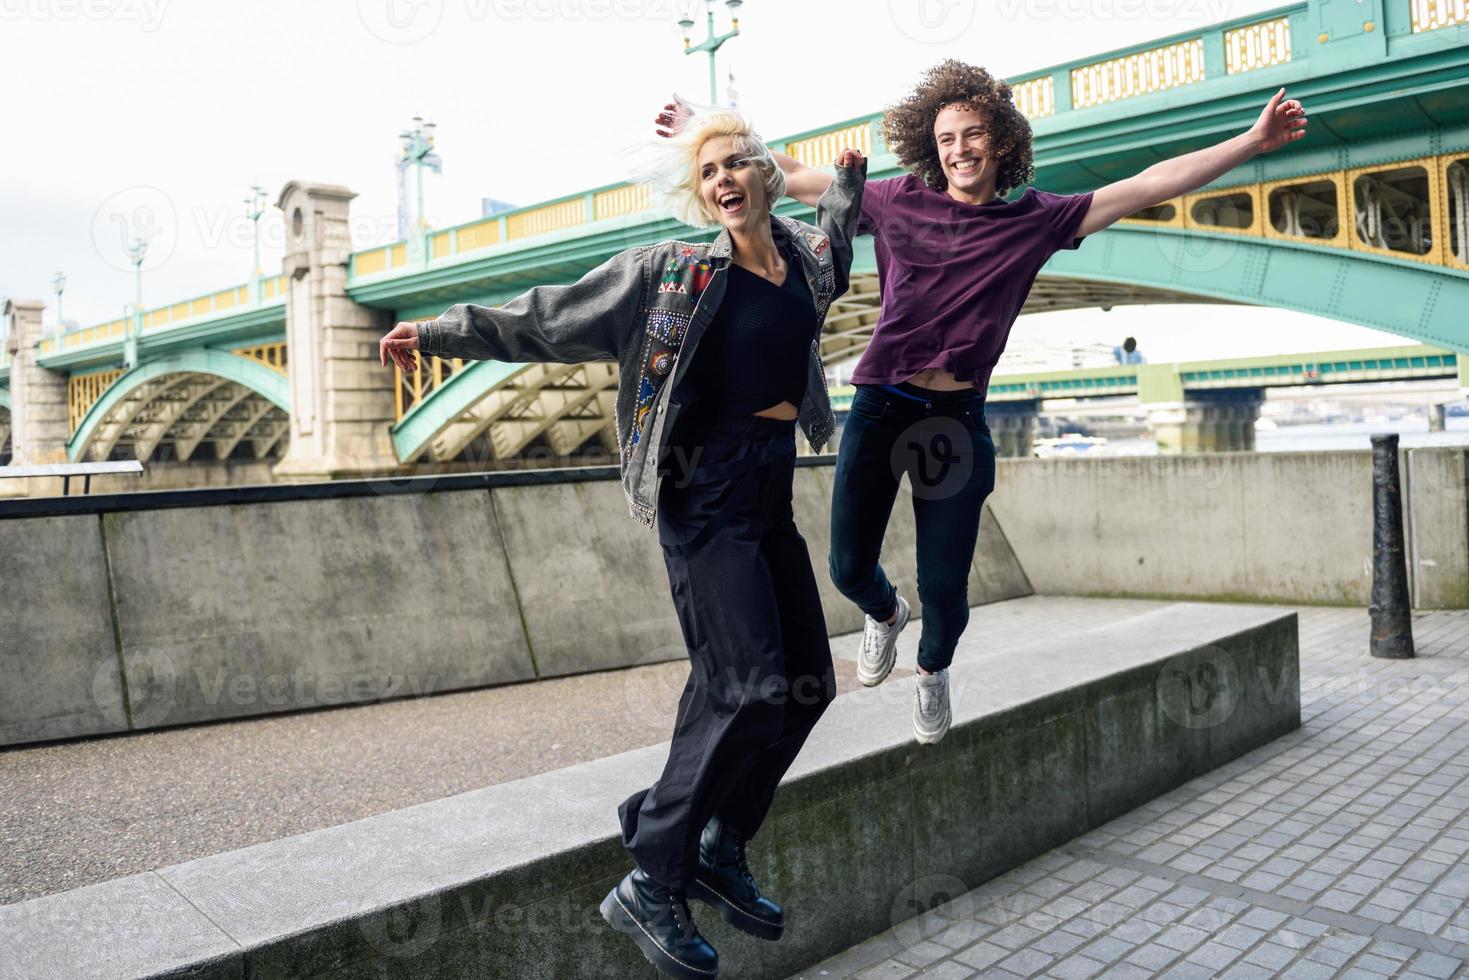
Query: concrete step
[{"x": 1059, "y": 736}]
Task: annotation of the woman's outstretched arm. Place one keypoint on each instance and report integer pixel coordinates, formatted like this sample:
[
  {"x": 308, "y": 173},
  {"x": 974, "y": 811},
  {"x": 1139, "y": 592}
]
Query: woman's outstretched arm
[{"x": 588, "y": 320}]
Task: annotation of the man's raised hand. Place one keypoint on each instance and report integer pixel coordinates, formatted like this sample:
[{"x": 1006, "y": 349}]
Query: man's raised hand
[{"x": 1282, "y": 121}]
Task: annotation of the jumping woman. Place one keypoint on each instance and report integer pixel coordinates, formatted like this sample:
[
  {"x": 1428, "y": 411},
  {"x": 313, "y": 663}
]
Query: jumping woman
[{"x": 718, "y": 363}]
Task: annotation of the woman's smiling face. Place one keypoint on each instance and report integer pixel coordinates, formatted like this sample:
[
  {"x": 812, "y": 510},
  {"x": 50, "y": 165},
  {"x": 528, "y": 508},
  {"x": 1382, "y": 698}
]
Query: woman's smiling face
[{"x": 731, "y": 185}]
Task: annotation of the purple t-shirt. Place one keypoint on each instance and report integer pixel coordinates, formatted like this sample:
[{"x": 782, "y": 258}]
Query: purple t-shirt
[{"x": 954, "y": 276}]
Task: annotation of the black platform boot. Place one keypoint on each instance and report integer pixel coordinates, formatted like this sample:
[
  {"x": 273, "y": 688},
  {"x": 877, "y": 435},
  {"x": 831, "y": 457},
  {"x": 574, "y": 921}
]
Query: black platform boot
[
  {"x": 657, "y": 918},
  {"x": 723, "y": 880}
]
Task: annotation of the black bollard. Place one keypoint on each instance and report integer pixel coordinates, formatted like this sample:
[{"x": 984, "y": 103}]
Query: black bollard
[{"x": 1392, "y": 617}]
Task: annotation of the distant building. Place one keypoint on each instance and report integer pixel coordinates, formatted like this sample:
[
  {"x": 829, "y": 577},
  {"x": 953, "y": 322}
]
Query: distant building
[
  {"x": 489, "y": 207},
  {"x": 1026, "y": 357}
]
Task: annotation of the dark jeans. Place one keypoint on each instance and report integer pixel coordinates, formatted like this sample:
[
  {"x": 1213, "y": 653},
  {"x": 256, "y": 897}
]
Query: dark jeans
[
  {"x": 946, "y": 450},
  {"x": 751, "y": 616}
]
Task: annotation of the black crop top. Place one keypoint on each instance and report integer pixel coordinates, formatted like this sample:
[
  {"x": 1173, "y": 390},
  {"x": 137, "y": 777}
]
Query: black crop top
[{"x": 756, "y": 351}]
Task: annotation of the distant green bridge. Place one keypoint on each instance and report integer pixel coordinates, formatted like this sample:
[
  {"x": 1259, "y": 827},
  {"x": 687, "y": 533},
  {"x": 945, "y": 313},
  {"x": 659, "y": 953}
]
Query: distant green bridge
[{"x": 1366, "y": 221}]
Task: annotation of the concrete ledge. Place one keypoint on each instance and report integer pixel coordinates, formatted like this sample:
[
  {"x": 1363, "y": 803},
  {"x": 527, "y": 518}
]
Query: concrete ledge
[{"x": 1049, "y": 740}]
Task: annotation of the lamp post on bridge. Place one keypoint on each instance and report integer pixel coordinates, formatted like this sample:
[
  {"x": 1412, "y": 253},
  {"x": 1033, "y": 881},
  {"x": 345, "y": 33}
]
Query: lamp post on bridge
[
  {"x": 712, "y": 42},
  {"x": 136, "y": 251},
  {"x": 60, "y": 283},
  {"x": 418, "y": 152},
  {"x": 254, "y": 208}
]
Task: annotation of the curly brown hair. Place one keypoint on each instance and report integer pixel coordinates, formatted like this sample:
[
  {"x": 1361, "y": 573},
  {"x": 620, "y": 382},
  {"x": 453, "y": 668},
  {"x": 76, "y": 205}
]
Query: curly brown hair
[{"x": 908, "y": 126}]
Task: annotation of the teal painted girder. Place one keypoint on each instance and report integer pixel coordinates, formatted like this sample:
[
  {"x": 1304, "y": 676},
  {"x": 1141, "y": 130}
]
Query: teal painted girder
[
  {"x": 5, "y": 398},
  {"x": 242, "y": 370},
  {"x": 426, "y": 419},
  {"x": 1410, "y": 299}
]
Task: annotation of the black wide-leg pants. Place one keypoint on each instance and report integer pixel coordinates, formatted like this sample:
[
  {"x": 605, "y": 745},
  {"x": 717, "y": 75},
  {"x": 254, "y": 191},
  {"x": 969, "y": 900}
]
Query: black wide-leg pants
[{"x": 761, "y": 675}]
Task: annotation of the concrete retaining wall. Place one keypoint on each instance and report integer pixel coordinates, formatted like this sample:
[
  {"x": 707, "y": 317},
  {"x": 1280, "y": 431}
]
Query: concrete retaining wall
[
  {"x": 1271, "y": 527},
  {"x": 868, "y": 829},
  {"x": 176, "y": 608},
  {"x": 170, "y": 609}
]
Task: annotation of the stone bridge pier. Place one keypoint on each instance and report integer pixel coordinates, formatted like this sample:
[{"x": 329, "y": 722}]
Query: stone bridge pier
[
  {"x": 39, "y": 422},
  {"x": 341, "y": 398}
]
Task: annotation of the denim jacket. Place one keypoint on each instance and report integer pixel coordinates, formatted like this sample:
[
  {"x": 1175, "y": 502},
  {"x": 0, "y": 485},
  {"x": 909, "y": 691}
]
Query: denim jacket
[{"x": 646, "y": 308}]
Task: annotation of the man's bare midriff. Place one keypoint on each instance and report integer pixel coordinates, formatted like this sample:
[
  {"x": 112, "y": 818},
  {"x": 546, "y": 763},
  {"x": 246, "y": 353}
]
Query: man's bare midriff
[{"x": 939, "y": 380}]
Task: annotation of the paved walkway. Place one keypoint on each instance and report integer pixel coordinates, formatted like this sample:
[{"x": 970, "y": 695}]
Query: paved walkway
[{"x": 1339, "y": 850}]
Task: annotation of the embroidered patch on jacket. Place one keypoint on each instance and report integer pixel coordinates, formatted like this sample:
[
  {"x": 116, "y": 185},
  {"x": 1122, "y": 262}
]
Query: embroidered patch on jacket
[
  {"x": 668, "y": 325},
  {"x": 663, "y": 336},
  {"x": 826, "y": 282},
  {"x": 686, "y": 274},
  {"x": 817, "y": 241}
]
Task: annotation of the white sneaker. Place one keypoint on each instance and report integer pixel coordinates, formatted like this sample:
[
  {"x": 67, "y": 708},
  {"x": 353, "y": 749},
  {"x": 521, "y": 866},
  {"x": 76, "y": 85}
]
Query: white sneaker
[
  {"x": 880, "y": 647},
  {"x": 931, "y": 714}
]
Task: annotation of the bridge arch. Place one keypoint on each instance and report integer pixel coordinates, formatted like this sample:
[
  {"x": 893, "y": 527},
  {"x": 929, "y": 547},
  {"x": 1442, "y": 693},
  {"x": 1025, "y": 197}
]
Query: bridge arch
[
  {"x": 512, "y": 405},
  {"x": 1398, "y": 296},
  {"x": 183, "y": 401}
]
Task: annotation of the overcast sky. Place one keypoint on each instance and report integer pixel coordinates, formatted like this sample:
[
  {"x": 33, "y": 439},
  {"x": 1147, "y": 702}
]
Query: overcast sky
[{"x": 173, "y": 108}]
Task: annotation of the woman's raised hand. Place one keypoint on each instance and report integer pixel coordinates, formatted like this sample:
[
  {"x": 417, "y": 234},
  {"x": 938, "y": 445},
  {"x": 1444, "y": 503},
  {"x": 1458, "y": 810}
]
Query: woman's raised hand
[
  {"x": 849, "y": 158},
  {"x": 670, "y": 122},
  {"x": 399, "y": 344}
]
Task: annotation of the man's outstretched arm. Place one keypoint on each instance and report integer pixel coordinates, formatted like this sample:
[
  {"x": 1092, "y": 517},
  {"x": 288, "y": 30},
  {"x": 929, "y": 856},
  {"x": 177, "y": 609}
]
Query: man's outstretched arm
[{"x": 1281, "y": 122}]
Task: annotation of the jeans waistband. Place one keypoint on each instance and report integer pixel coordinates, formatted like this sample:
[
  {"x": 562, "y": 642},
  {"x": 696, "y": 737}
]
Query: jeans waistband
[
  {"x": 731, "y": 448},
  {"x": 931, "y": 395}
]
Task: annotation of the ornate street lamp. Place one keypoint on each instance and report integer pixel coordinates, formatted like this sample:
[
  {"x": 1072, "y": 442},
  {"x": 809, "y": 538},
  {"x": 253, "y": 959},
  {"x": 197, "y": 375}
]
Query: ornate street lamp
[{"x": 712, "y": 42}]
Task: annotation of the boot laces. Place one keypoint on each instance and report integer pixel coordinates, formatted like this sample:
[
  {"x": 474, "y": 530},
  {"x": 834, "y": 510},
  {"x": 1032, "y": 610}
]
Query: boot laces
[
  {"x": 678, "y": 908},
  {"x": 742, "y": 864}
]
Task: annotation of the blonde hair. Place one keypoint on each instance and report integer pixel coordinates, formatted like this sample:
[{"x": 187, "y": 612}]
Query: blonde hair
[{"x": 671, "y": 166}]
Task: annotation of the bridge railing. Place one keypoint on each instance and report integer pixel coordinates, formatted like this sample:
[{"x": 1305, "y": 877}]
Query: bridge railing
[
  {"x": 815, "y": 148},
  {"x": 271, "y": 291}
]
